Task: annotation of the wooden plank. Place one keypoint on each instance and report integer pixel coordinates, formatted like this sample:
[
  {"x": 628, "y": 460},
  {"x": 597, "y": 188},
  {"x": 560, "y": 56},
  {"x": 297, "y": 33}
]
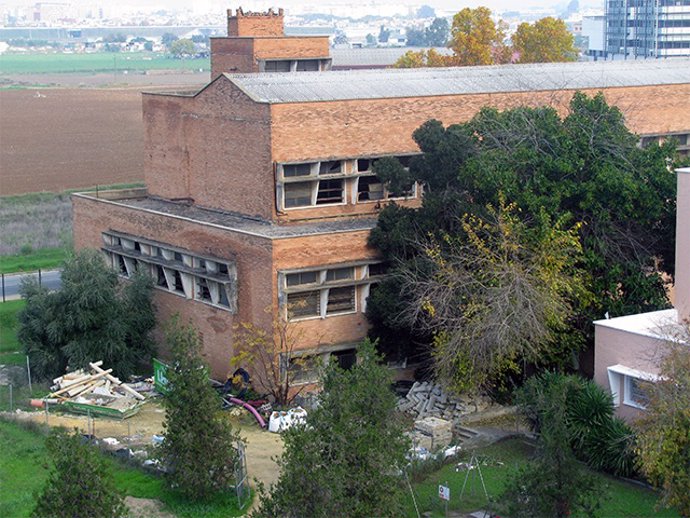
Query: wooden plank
[
  {"x": 115, "y": 380},
  {"x": 91, "y": 378}
]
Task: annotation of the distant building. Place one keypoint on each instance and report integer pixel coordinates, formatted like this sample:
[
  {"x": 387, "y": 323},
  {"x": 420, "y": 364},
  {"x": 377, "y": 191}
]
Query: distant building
[
  {"x": 594, "y": 29},
  {"x": 647, "y": 28}
]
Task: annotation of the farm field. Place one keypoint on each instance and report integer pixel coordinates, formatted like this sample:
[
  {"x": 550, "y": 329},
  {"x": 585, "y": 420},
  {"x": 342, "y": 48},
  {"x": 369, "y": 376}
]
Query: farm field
[
  {"x": 53, "y": 140},
  {"x": 35, "y": 63}
]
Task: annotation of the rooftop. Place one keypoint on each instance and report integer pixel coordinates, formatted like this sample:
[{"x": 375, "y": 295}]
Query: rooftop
[
  {"x": 662, "y": 325},
  {"x": 138, "y": 199},
  {"x": 426, "y": 82}
]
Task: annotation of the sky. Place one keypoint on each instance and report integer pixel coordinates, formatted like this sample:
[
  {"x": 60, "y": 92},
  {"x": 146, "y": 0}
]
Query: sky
[{"x": 212, "y": 5}]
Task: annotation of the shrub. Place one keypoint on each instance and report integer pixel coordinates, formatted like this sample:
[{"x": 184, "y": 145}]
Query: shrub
[{"x": 80, "y": 484}]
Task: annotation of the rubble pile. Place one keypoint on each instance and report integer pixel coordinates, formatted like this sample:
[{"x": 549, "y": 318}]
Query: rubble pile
[
  {"x": 432, "y": 433},
  {"x": 428, "y": 399}
]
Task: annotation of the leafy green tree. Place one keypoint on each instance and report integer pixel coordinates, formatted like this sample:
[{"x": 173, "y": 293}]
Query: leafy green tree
[
  {"x": 582, "y": 171},
  {"x": 415, "y": 37},
  {"x": 182, "y": 47},
  {"x": 545, "y": 41},
  {"x": 436, "y": 35},
  {"x": 346, "y": 460},
  {"x": 664, "y": 429},
  {"x": 199, "y": 449},
  {"x": 554, "y": 483},
  {"x": 167, "y": 38},
  {"x": 79, "y": 485},
  {"x": 476, "y": 39},
  {"x": 93, "y": 316}
]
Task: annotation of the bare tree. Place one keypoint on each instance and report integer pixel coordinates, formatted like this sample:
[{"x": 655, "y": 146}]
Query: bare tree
[
  {"x": 495, "y": 293},
  {"x": 271, "y": 356}
]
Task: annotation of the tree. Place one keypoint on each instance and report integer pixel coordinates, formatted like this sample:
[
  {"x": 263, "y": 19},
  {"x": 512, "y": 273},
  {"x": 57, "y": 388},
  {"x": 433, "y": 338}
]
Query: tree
[
  {"x": 422, "y": 58},
  {"x": 554, "y": 483},
  {"x": 546, "y": 41},
  {"x": 663, "y": 443},
  {"x": 426, "y": 11},
  {"x": 79, "y": 484},
  {"x": 476, "y": 39},
  {"x": 583, "y": 171},
  {"x": 167, "y": 38},
  {"x": 183, "y": 47},
  {"x": 371, "y": 40},
  {"x": 199, "y": 449},
  {"x": 91, "y": 317},
  {"x": 271, "y": 357},
  {"x": 492, "y": 294},
  {"x": 415, "y": 37},
  {"x": 436, "y": 35},
  {"x": 346, "y": 460}
]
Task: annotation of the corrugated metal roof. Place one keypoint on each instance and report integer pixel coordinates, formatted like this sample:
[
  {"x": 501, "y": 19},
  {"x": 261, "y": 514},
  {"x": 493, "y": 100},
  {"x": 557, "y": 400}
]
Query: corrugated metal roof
[{"x": 422, "y": 82}]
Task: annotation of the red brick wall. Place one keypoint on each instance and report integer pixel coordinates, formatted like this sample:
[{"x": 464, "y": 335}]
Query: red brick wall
[
  {"x": 214, "y": 148},
  {"x": 291, "y": 47},
  {"x": 253, "y": 257},
  {"x": 319, "y": 251},
  {"x": 233, "y": 55},
  {"x": 255, "y": 25},
  {"x": 302, "y": 131}
]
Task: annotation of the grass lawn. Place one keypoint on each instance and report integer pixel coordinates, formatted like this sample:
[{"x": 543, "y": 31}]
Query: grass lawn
[
  {"x": 622, "y": 499},
  {"x": 8, "y": 325},
  {"x": 96, "y": 62},
  {"x": 23, "y": 471},
  {"x": 32, "y": 260}
]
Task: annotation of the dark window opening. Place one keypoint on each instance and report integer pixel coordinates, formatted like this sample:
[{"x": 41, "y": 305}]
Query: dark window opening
[
  {"x": 223, "y": 269},
  {"x": 308, "y": 65},
  {"x": 377, "y": 269},
  {"x": 177, "y": 283},
  {"x": 346, "y": 359},
  {"x": 332, "y": 167},
  {"x": 277, "y": 66},
  {"x": 339, "y": 274},
  {"x": 202, "y": 291},
  {"x": 369, "y": 188},
  {"x": 341, "y": 300},
  {"x": 223, "y": 296},
  {"x": 178, "y": 257},
  {"x": 160, "y": 277},
  {"x": 330, "y": 191}
]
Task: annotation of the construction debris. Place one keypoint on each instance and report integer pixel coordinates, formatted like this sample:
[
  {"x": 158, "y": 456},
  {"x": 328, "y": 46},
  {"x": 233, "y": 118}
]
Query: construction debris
[
  {"x": 96, "y": 392},
  {"x": 427, "y": 399}
]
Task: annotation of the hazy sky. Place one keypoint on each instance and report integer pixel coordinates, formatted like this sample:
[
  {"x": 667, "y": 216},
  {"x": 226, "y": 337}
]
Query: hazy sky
[{"x": 212, "y": 5}]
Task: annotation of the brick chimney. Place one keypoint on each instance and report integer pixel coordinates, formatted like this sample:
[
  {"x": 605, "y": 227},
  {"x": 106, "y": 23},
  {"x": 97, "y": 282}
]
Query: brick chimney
[
  {"x": 249, "y": 24},
  {"x": 682, "y": 281}
]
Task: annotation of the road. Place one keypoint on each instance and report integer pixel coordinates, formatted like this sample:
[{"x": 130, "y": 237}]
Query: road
[{"x": 50, "y": 279}]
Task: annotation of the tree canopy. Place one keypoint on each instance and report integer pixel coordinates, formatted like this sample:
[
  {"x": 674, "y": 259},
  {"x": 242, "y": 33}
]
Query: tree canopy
[
  {"x": 582, "y": 176},
  {"x": 93, "y": 316},
  {"x": 544, "y": 41},
  {"x": 346, "y": 460}
]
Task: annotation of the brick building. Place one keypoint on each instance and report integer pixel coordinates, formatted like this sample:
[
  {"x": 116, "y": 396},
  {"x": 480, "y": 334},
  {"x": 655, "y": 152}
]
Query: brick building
[{"x": 259, "y": 188}]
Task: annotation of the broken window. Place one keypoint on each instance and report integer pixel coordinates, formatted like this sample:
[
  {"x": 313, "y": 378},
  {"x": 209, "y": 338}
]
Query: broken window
[
  {"x": 341, "y": 300},
  {"x": 377, "y": 269},
  {"x": 330, "y": 191},
  {"x": 305, "y": 304},
  {"x": 297, "y": 279},
  {"x": 304, "y": 369},
  {"x": 121, "y": 266},
  {"x": 202, "y": 290},
  {"x": 308, "y": 65},
  {"x": 177, "y": 282},
  {"x": 160, "y": 277},
  {"x": 332, "y": 167},
  {"x": 298, "y": 194},
  {"x": 369, "y": 188},
  {"x": 364, "y": 165},
  {"x": 346, "y": 358}
]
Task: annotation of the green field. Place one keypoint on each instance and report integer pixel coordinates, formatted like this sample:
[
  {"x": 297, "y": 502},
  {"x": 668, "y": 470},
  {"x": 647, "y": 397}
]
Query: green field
[
  {"x": 23, "y": 472},
  {"x": 622, "y": 499},
  {"x": 9, "y": 345},
  {"x": 96, "y": 62},
  {"x": 32, "y": 260}
]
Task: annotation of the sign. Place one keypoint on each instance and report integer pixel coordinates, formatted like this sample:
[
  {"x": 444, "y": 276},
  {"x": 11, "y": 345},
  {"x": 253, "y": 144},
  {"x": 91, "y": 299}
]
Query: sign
[
  {"x": 444, "y": 493},
  {"x": 160, "y": 380}
]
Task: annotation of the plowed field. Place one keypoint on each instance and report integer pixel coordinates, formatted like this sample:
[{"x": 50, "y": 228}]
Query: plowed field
[{"x": 57, "y": 139}]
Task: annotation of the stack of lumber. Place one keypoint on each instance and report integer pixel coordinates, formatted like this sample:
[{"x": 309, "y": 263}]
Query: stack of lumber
[{"x": 95, "y": 391}]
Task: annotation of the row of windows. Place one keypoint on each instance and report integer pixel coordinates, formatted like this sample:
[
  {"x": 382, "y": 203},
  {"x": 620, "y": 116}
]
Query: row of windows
[
  {"x": 294, "y": 65},
  {"x": 682, "y": 139},
  {"x": 208, "y": 280},
  {"x": 328, "y": 292},
  {"x": 333, "y": 182}
]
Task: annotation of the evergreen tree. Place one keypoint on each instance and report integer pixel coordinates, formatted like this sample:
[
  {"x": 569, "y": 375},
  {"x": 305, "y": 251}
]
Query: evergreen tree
[
  {"x": 347, "y": 459},
  {"x": 199, "y": 449},
  {"x": 79, "y": 485}
]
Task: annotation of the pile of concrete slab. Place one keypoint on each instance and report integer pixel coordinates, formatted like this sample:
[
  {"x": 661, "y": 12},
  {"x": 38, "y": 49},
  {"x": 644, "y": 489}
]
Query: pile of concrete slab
[
  {"x": 428, "y": 399},
  {"x": 432, "y": 433}
]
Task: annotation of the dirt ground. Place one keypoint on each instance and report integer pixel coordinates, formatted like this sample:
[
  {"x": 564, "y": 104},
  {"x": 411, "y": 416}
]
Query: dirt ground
[
  {"x": 55, "y": 139},
  {"x": 262, "y": 446}
]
